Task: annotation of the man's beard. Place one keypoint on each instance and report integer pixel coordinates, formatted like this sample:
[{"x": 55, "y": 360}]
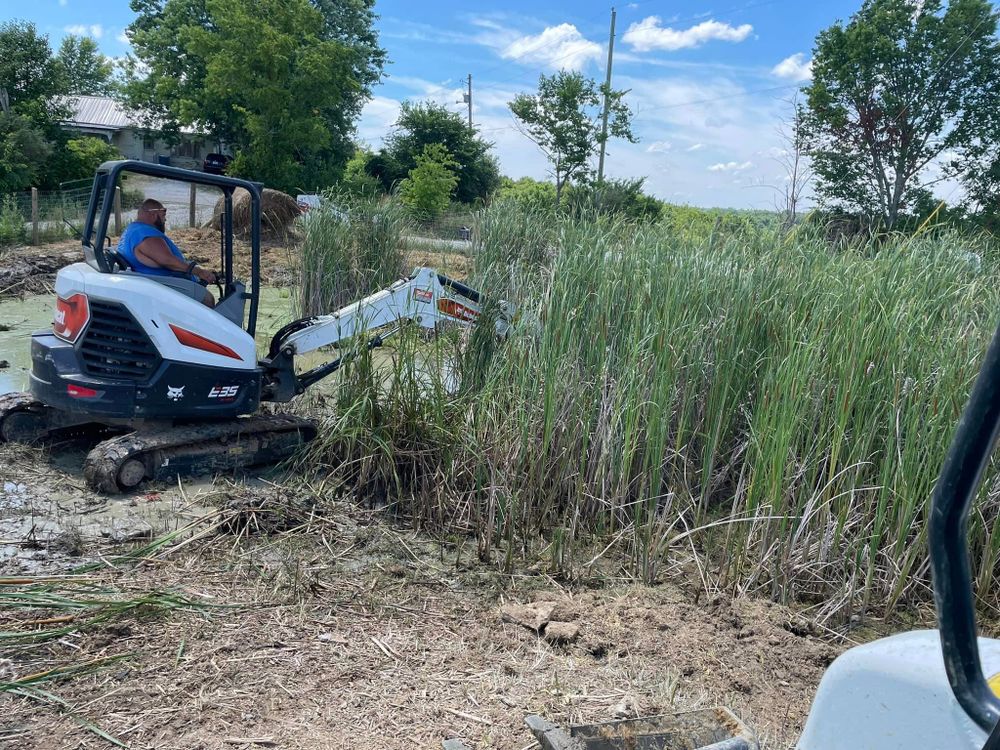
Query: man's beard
[{"x": 160, "y": 224}]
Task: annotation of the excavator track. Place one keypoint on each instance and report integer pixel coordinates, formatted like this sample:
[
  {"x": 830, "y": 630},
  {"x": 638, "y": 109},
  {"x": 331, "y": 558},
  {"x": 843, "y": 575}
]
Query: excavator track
[
  {"x": 124, "y": 462},
  {"x": 23, "y": 419}
]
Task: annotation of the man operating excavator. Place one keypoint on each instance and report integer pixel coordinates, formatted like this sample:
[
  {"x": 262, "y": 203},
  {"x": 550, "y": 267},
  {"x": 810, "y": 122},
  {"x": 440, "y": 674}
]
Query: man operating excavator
[{"x": 146, "y": 248}]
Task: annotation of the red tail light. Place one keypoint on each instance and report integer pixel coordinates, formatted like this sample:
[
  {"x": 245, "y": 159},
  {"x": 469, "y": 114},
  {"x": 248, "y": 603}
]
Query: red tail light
[
  {"x": 72, "y": 316},
  {"x": 195, "y": 341},
  {"x": 79, "y": 391}
]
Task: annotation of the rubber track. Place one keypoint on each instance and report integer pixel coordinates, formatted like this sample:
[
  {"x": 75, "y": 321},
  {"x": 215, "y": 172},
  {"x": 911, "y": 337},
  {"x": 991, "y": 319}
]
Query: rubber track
[
  {"x": 14, "y": 402},
  {"x": 201, "y": 443}
]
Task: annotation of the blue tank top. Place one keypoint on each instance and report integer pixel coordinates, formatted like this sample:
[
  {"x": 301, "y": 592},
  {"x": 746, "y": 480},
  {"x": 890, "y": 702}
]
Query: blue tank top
[{"x": 134, "y": 234}]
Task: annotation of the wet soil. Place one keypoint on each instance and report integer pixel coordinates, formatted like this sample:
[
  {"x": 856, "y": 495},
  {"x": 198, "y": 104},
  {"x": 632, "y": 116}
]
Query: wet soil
[{"x": 339, "y": 628}]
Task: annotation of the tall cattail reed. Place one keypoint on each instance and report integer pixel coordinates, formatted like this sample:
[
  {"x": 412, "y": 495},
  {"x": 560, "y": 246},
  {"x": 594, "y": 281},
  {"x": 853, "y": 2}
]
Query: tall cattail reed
[
  {"x": 759, "y": 403},
  {"x": 352, "y": 247}
]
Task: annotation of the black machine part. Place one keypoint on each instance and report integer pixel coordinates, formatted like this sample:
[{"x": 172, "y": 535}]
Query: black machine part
[
  {"x": 949, "y": 549},
  {"x": 101, "y": 205}
]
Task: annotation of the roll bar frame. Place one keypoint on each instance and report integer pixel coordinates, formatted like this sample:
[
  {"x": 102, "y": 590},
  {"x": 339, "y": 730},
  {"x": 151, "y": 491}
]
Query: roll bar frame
[
  {"x": 101, "y": 204},
  {"x": 956, "y": 489}
]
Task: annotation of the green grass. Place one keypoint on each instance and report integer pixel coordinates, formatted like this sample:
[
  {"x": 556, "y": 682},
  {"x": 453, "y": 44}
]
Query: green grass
[{"x": 771, "y": 406}]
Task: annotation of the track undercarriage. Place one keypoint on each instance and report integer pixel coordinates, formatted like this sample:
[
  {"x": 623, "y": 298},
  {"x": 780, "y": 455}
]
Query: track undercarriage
[{"x": 129, "y": 454}]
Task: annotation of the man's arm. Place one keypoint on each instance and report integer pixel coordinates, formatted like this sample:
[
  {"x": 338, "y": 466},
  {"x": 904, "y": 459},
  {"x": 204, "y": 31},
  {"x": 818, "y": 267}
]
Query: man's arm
[{"x": 153, "y": 251}]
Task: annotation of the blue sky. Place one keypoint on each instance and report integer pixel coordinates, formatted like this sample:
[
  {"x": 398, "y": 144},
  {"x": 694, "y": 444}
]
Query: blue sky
[{"x": 709, "y": 81}]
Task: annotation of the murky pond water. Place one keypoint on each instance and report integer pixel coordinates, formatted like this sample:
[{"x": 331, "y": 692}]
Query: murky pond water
[{"x": 18, "y": 319}]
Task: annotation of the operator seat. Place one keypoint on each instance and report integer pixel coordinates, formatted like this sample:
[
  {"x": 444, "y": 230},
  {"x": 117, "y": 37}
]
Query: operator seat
[{"x": 230, "y": 307}]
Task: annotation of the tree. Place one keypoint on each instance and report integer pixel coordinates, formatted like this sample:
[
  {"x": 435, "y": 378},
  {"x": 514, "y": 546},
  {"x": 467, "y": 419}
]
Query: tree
[
  {"x": 23, "y": 151},
  {"x": 84, "y": 69},
  {"x": 427, "y": 190},
  {"x": 794, "y": 162},
  {"x": 563, "y": 120},
  {"x": 532, "y": 195},
  {"x": 89, "y": 153},
  {"x": 623, "y": 198},
  {"x": 422, "y": 124},
  {"x": 30, "y": 133},
  {"x": 30, "y": 75},
  {"x": 280, "y": 81},
  {"x": 901, "y": 100}
]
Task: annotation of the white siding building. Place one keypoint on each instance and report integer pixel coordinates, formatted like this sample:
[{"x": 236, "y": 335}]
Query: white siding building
[{"x": 103, "y": 117}]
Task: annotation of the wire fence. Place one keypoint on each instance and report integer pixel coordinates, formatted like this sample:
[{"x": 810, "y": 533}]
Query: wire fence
[
  {"x": 453, "y": 225},
  {"x": 39, "y": 217}
]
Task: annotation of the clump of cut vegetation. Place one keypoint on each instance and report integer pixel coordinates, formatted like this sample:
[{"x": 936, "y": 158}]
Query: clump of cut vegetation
[
  {"x": 352, "y": 247},
  {"x": 779, "y": 408}
]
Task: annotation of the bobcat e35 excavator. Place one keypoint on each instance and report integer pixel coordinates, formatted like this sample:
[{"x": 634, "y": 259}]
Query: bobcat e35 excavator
[{"x": 179, "y": 384}]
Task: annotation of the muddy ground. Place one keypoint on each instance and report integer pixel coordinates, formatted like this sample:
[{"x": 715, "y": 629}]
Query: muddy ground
[
  {"x": 272, "y": 612},
  {"x": 315, "y": 624}
]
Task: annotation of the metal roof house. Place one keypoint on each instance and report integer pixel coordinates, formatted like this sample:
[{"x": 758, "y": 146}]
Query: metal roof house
[{"x": 103, "y": 117}]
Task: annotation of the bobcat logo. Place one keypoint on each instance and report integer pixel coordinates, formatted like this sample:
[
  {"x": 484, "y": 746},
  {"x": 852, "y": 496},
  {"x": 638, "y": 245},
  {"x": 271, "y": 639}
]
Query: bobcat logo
[{"x": 175, "y": 394}]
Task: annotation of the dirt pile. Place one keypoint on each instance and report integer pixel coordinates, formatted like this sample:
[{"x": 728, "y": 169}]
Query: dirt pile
[{"x": 278, "y": 211}]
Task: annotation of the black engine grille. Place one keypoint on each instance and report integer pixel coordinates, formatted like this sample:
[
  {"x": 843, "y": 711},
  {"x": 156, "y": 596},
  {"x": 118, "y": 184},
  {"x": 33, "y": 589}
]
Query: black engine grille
[{"x": 115, "y": 346}]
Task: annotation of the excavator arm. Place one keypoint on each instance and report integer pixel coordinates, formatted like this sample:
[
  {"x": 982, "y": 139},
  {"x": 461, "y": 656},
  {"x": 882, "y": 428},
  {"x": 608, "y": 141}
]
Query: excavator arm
[{"x": 427, "y": 298}]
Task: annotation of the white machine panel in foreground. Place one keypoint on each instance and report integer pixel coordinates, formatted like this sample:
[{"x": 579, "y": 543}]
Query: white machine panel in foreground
[{"x": 893, "y": 694}]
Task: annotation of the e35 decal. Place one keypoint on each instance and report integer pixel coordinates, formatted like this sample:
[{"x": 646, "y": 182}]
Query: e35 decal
[{"x": 224, "y": 392}]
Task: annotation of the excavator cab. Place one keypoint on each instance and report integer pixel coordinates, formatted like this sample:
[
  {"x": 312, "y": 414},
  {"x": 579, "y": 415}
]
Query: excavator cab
[{"x": 103, "y": 257}]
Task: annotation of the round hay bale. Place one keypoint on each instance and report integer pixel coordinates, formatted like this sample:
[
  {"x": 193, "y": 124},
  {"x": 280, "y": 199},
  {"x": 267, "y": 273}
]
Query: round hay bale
[{"x": 278, "y": 211}]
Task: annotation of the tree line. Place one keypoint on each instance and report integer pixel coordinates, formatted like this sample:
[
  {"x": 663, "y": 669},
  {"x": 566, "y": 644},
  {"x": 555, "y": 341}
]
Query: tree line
[{"x": 902, "y": 100}]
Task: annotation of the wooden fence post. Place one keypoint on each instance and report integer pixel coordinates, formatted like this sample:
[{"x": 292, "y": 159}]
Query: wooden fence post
[
  {"x": 118, "y": 211},
  {"x": 34, "y": 216},
  {"x": 192, "y": 218}
]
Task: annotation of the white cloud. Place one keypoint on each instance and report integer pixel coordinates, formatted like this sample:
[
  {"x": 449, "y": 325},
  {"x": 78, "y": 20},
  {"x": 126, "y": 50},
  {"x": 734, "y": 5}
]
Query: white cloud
[
  {"x": 794, "y": 68},
  {"x": 658, "y": 147},
  {"x": 94, "y": 30},
  {"x": 732, "y": 166},
  {"x": 561, "y": 46},
  {"x": 648, "y": 34},
  {"x": 123, "y": 37},
  {"x": 696, "y": 147}
]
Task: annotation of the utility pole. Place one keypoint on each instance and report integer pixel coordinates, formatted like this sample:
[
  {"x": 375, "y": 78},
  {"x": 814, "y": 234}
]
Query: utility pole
[
  {"x": 607, "y": 100},
  {"x": 468, "y": 100}
]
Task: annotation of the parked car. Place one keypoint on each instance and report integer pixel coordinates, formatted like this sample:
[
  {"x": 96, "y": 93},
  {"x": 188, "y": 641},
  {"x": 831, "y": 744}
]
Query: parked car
[{"x": 216, "y": 163}]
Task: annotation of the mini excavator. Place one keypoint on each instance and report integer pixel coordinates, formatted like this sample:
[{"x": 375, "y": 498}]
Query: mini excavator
[{"x": 176, "y": 386}]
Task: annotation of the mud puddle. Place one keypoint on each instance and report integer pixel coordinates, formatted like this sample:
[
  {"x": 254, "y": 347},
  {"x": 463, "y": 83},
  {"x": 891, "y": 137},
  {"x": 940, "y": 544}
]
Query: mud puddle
[{"x": 48, "y": 518}]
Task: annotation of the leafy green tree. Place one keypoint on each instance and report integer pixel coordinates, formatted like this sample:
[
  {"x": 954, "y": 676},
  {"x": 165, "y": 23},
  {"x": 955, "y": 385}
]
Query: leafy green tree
[
  {"x": 31, "y": 135},
  {"x": 23, "y": 151},
  {"x": 530, "y": 194},
  {"x": 901, "y": 99},
  {"x": 84, "y": 69},
  {"x": 422, "y": 124},
  {"x": 427, "y": 190},
  {"x": 89, "y": 153},
  {"x": 30, "y": 75},
  {"x": 622, "y": 198},
  {"x": 281, "y": 81},
  {"x": 356, "y": 180},
  {"x": 563, "y": 120}
]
